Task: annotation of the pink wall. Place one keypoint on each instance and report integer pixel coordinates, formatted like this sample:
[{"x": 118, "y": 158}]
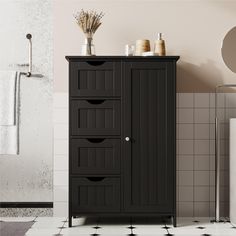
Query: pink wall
[{"x": 192, "y": 29}]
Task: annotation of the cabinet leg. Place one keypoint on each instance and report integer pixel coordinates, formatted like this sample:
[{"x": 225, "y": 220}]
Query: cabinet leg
[
  {"x": 174, "y": 221},
  {"x": 70, "y": 221}
]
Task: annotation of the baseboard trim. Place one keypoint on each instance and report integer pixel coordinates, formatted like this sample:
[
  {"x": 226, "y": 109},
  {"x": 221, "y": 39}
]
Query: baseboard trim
[{"x": 26, "y": 204}]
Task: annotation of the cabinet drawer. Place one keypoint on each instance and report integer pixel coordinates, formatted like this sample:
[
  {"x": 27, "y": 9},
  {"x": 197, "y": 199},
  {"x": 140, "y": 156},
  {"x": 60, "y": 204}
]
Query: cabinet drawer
[
  {"x": 95, "y": 156},
  {"x": 95, "y": 117},
  {"x": 95, "y": 78},
  {"x": 95, "y": 194}
]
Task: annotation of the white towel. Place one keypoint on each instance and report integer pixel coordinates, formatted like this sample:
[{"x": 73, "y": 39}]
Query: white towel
[
  {"x": 8, "y": 80},
  {"x": 9, "y": 112}
]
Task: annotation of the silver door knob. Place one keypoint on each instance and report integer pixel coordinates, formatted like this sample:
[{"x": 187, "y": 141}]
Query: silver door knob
[{"x": 127, "y": 139}]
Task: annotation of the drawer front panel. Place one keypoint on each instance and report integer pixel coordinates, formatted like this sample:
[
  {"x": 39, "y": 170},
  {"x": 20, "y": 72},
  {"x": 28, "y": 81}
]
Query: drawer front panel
[
  {"x": 95, "y": 194},
  {"x": 95, "y": 117},
  {"x": 95, "y": 78},
  {"x": 95, "y": 156}
]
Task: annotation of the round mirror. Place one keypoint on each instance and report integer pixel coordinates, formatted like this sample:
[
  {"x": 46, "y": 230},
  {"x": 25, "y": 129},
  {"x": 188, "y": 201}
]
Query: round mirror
[{"x": 228, "y": 49}]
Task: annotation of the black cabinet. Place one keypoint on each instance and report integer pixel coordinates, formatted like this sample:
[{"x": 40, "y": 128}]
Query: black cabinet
[{"x": 122, "y": 141}]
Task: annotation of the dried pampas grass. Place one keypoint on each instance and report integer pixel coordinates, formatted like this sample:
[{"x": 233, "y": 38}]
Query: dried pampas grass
[{"x": 89, "y": 21}]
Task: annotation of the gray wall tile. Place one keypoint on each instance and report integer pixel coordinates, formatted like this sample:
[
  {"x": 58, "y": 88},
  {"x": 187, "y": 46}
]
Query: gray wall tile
[
  {"x": 186, "y": 193},
  {"x": 185, "y": 178},
  {"x": 202, "y": 115},
  {"x": 196, "y": 152},
  {"x": 201, "y": 178},
  {"x": 202, "y": 100},
  {"x": 185, "y": 162},
  {"x": 185, "y": 131},
  {"x": 201, "y": 193},
  {"x": 201, "y": 209},
  {"x": 185, "y": 115},
  {"x": 185, "y": 147},
  {"x": 186, "y": 100},
  {"x": 185, "y": 209},
  {"x": 202, "y": 162}
]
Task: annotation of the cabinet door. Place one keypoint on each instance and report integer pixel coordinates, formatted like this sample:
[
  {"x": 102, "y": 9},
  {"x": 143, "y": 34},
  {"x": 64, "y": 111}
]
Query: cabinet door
[{"x": 149, "y": 121}]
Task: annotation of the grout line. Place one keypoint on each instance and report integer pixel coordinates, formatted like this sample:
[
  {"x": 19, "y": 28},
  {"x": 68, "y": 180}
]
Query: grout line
[
  {"x": 226, "y": 145},
  {"x": 198, "y": 107},
  {"x": 97, "y": 225},
  {"x": 203, "y": 202},
  {"x": 131, "y": 224},
  {"x": 232, "y": 223},
  {"x": 186, "y": 155},
  {"x": 198, "y": 140},
  {"x": 203, "y": 123},
  {"x": 63, "y": 225},
  {"x": 209, "y": 160},
  {"x": 193, "y": 207},
  {"x": 223, "y": 139},
  {"x": 167, "y": 229},
  {"x": 201, "y": 185},
  {"x": 177, "y": 161}
]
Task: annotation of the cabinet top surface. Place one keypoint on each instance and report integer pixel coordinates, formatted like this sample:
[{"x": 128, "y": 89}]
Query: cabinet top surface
[{"x": 72, "y": 58}]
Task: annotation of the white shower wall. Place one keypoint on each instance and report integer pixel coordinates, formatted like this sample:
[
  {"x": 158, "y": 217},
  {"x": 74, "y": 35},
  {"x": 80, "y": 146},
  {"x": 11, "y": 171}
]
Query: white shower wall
[{"x": 28, "y": 177}]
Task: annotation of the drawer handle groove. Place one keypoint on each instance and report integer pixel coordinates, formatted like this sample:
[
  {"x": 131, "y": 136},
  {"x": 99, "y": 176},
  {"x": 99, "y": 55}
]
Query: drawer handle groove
[
  {"x": 95, "y": 63},
  {"x": 95, "y": 140},
  {"x": 95, "y": 102},
  {"x": 95, "y": 179}
]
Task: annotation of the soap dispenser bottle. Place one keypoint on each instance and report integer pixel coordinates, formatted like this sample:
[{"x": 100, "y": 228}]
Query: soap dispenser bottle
[{"x": 159, "y": 47}]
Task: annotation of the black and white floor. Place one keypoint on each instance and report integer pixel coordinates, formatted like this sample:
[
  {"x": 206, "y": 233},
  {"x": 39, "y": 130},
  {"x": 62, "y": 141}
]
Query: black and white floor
[{"x": 52, "y": 226}]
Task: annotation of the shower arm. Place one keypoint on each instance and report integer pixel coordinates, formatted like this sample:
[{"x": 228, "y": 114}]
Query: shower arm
[{"x": 217, "y": 152}]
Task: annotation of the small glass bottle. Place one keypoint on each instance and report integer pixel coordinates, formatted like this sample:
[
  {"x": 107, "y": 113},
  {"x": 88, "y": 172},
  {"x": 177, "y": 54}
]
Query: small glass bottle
[{"x": 129, "y": 50}]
